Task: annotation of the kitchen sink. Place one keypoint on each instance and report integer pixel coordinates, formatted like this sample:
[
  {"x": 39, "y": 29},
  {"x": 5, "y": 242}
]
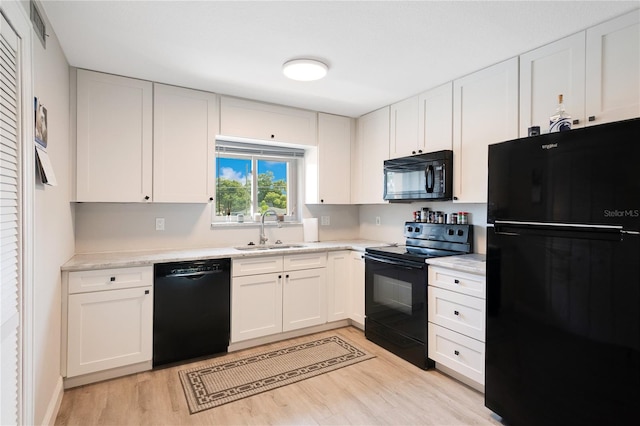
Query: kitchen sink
[{"x": 269, "y": 247}]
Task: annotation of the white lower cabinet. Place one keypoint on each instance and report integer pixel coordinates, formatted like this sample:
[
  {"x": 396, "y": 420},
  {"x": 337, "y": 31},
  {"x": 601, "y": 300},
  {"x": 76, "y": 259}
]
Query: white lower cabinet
[
  {"x": 264, "y": 302},
  {"x": 456, "y": 327},
  {"x": 338, "y": 283},
  {"x": 304, "y": 299},
  {"x": 356, "y": 289},
  {"x": 109, "y": 319}
]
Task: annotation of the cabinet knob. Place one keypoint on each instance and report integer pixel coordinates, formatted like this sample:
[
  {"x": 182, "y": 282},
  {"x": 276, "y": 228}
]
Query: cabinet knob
[
  {"x": 146, "y": 292},
  {"x": 322, "y": 201},
  {"x": 286, "y": 276},
  {"x": 146, "y": 197},
  {"x": 210, "y": 198},
  {"x": 576, "y": 121},
  {"x": 273, "y": 136},
  {"x": 592, "y": 118},
  {"x": 413, "y": 152},
  {"x": 456, "y": 313},
  {"x": 455, "y": 198},
  {"x": 456, "y": 281},
  {"x": 279, "y": 276},
  {"x": 419, "y": 151},
  {"x": 456, "y": 352},
  {"x": 112, "y": 279}
]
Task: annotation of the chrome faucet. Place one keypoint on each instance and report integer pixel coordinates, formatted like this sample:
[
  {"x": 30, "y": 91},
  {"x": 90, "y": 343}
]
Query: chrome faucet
[{"x": 263, "y": 238}]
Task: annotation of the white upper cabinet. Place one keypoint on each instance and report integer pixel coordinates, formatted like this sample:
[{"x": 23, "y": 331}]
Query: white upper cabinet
[
  {"x": 613, "y": 70},
  {"x": 546, "y": 72},
  {"x": 597, "y": 71},
  {"x": 329, "y": 172},
  {"x": 185, "y": 125},
  {"x": 485, "y": 112},
  {"x": 435, "y": 120},
  {"x": 254, "y": 120},
  {"x": 372, "y": 148},
  {"x": 114, "y": 138},
  {"x": 403, "y": 134}
]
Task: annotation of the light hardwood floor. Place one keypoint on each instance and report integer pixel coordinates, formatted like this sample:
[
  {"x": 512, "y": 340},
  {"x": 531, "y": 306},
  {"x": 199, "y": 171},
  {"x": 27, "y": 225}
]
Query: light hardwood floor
[{"x": 384, "y": 390}]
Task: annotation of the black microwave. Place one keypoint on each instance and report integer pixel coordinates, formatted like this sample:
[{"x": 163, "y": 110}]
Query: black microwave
[{"x": 426, "y": 177}]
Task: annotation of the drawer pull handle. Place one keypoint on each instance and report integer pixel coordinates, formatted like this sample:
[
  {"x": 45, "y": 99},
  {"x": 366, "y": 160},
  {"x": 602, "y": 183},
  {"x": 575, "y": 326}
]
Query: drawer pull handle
[
  {"x": 592, "y": 118},
  {"x": 112, "y": 279},
  {"x": 456, "y": 313},
  {"x": 146, "y": 292},
  {"x": 456, "y": 281},
  {"x": 456, "y": 353}
]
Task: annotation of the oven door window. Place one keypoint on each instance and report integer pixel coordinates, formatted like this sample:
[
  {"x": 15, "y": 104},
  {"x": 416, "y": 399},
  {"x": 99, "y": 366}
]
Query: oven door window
[{"x": 396, "y": 297}]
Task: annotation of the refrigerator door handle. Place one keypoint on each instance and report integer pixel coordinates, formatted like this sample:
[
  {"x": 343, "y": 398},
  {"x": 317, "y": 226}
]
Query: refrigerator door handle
[{"x": 552, "y": 225}]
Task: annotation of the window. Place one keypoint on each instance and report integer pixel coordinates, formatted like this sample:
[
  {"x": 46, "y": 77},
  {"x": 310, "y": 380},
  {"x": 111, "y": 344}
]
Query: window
[{"x": 252, "y": 179}]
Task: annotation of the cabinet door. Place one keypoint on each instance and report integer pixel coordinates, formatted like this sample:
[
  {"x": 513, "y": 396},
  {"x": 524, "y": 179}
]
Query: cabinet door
[
  {"x": 613, "y": 70},
  {"x": 114, "y": 138},
  {"x": 372, "y": 149},
  {"x": 546, "y": 72},
  {"x": 403, "y": 134},
  {"x": 304, "y": 299},
  {"x": 185, "y": 125},
  {"x": 256, "y": 306},
  {"x": 255, "y": 120},
  {"x": 108, "y": 329},
  {"x": 338, "y": 283},
  {"x": 333, "y": 177},
  {"x": 435, "y": 119},
  {"x": 356, "y": 289},
  {"x": 485, "y": 112}
]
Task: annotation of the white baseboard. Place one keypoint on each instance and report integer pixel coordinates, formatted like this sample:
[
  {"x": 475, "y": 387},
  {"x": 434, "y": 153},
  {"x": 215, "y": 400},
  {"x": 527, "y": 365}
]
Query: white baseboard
[{"x": 54, "y": 404}]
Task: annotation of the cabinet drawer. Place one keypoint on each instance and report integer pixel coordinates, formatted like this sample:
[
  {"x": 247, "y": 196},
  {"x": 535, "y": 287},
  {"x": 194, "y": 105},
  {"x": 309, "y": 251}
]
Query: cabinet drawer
[
  {"x": 461, "y": 282},
  {"x": 460, "y": 353},
  {"x": 257, "y": 265},
  {"x": 458, "y": 312},
  {"x": 296, "y": 262},
  {"x": 110, "y": 279}
]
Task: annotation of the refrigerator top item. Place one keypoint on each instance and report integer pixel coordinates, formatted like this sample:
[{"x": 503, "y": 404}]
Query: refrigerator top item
[{"x": 584, "y": 176}]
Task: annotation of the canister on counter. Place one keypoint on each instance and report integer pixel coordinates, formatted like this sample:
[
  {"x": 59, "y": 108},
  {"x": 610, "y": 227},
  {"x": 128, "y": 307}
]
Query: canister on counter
[
  {"x": 416, "y": 216},
  {"x": 424, "y": 214},
  {"x": 454, "y": 218},
  {"x": 463, "y": 218}
]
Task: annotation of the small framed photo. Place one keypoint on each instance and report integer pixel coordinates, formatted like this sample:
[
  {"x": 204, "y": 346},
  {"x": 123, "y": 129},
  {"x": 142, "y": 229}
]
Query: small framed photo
[{"x": 41, "y": 123}]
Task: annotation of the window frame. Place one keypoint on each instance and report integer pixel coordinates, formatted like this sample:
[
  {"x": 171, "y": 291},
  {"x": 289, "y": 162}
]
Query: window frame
[{"x": 294, "y": 166}]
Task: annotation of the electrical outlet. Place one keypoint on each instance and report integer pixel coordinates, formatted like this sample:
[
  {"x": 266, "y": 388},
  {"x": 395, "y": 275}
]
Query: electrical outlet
[
  {"x": 159, "y": 223},
  {"x": 378, "y": 220},
  {"x": 325, "y": 220}
]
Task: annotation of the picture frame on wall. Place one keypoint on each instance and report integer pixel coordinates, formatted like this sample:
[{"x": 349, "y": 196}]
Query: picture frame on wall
[{"x": 41, "y": 123}]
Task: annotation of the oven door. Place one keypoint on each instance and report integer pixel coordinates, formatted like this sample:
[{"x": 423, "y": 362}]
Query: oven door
[{"x": 396, "y": 306}]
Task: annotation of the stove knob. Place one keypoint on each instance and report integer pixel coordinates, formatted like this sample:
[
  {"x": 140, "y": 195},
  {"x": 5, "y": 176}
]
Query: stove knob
[
  {"x": 450, "y": 231},
  {"x": 409, "y": 229},
  {"x": 460, "y": 232},
  {"x": 417, "y": 230}
]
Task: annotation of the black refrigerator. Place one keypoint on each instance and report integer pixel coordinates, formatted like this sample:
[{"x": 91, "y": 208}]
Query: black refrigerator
[{"x": 563, "y": 278}]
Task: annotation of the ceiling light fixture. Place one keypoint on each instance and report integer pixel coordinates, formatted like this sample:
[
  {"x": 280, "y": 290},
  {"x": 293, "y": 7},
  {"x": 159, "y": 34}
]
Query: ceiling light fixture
[{"x": 305, "y": 69}]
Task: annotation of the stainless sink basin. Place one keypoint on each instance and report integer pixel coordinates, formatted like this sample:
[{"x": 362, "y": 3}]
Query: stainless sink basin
[{"x": 269, "y": 247}]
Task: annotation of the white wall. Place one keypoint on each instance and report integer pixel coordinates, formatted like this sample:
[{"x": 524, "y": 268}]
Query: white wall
[
  {"x": 393, "y": 216},
  {"x": 54, "y": 239},
  {"x": 104, "y": 227}
]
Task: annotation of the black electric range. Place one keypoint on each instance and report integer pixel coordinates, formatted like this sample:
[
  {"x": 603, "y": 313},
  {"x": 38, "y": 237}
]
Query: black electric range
[{"x": 396, "y": 287}]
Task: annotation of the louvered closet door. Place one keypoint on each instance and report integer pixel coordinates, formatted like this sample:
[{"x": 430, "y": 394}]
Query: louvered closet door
[{"x": 9, "y": 225}]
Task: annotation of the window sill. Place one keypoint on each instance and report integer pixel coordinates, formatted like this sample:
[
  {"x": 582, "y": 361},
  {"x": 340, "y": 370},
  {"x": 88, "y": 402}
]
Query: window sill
[{"x": 222, "y": 225}]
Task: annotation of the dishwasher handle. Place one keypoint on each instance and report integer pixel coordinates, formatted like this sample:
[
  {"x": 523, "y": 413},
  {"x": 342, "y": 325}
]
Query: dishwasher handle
[{"x": 193, "y": 274}]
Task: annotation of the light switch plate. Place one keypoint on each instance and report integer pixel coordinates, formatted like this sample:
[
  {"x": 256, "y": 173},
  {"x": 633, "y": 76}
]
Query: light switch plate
[
  {"x": 159, "y": 223},
  {"x": 325, "y": 220}
]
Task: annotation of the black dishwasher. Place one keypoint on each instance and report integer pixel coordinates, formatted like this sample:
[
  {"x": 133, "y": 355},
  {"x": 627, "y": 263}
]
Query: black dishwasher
[{"x": 191, "y": 310}]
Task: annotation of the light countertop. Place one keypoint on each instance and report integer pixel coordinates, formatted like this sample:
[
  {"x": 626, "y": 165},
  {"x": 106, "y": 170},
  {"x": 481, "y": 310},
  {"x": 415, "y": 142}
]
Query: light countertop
[
  {"x": 473, "y": 263},
  {"x": 124, "y": 259}
]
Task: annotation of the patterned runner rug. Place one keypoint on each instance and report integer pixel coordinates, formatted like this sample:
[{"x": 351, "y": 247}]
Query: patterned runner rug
[{"x": 230, "y": 380}]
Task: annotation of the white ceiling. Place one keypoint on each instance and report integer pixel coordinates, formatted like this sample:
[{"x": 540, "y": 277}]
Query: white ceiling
[{"x": 378, "y": 52}]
